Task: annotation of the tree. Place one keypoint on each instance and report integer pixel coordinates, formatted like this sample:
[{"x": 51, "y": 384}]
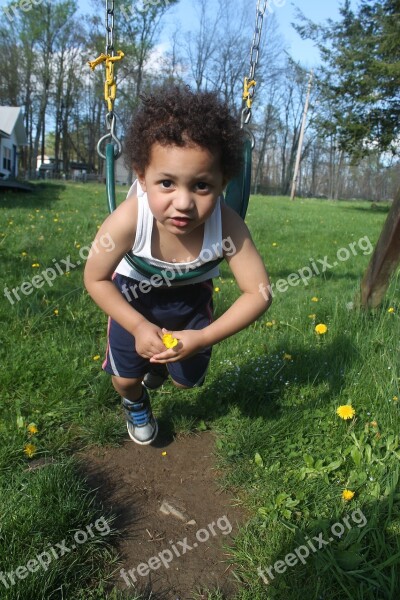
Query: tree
[{"x": 360, "y": 78}]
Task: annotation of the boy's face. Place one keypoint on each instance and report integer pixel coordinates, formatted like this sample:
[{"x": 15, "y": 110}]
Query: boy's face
[{"x": 182, "y": 185}]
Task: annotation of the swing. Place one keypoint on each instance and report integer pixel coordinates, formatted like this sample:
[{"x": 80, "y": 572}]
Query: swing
[{"x": 238, "y": 189}]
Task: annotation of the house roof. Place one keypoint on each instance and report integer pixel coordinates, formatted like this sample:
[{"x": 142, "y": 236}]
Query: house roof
[{"x": 11, "y": 120}]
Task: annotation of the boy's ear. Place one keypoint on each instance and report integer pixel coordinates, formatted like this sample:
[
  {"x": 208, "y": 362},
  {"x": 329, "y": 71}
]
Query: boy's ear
[{"x": 141, "y": 180}]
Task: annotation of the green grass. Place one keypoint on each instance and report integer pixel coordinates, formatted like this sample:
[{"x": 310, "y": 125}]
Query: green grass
[{"x": 271, "y": 396}]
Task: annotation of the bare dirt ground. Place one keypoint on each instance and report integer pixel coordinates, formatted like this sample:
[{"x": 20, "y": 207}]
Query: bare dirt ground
[{"x": 175, "y": 555}]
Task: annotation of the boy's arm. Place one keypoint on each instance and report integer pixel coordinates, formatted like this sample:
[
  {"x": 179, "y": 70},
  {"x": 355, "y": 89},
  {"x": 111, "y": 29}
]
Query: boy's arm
[
  {"x": 119, "y": 230},
  {"x": 249, "y": 271}
]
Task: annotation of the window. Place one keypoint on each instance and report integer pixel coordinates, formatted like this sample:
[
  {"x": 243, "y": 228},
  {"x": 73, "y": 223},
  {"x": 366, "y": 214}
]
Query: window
[{"x": 7, "y": 159}]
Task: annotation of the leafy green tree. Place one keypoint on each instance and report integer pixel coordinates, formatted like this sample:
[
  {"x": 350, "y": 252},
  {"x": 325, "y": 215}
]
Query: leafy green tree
[{"x": 360, "y": 77}]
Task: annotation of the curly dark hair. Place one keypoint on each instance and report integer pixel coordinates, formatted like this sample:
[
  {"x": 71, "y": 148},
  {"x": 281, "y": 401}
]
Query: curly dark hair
[{"x": 173, "y": 115}]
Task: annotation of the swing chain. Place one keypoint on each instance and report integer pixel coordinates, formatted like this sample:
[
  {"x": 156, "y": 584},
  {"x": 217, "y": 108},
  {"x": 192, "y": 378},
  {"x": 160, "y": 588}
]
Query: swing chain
[
  {"x": 110, "y": 50},
  {"x": 249, "y": 82}
]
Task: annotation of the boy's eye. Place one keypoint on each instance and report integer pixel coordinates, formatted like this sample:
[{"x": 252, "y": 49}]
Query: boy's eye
[
  {"x": 166, "y": 184},
  {"x": 202, "y": 186}
]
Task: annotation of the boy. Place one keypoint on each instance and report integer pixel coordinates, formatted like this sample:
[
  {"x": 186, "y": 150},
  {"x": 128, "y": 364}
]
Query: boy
[{"x": 184, "y": 148}]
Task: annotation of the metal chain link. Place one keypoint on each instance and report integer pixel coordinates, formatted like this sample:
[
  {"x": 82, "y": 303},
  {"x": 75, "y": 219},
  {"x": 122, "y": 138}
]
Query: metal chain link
[
  {"x": 254, "y": 55},
  {"x": 110, "y": 27}
]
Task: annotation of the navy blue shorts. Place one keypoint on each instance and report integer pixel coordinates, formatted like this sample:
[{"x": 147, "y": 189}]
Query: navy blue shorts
[{"x": 174, "y": 308}]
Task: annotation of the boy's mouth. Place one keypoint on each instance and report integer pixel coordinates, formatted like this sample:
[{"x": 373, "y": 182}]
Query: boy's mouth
[{"x": 180, "y": 221}]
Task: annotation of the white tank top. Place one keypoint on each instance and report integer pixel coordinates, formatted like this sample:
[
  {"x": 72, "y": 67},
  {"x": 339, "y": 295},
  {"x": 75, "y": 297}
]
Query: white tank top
[{"x": 212, "y": 245}]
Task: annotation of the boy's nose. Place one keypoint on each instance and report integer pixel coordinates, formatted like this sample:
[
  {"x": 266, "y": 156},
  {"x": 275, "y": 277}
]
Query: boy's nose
[{"x": 183, "y": 200}]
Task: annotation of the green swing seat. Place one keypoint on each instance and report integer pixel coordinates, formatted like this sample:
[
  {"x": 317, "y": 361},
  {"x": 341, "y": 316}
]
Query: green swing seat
[{"x": 236, "y": 196}]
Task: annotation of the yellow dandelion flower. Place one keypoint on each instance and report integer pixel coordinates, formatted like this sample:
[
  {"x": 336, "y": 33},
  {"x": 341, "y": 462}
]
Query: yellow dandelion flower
[
  {"x": 35, "y": 265},
  {"x": 314, "y": 299},
  {"x": 216, "y": 289},
  {"x": 321, "y": 328},
  {"x": 274, "y": 244},
  {"x": 348, "y": 495},
  {"x": 312, "y": 316},
  {"x": 30, "y": 450},
  {"x": 24, "y": 254},
  {"x": 374, "y": 424},
  {"x": 345, "y": 411},
  {"x": 55, "y": 220},
  {"x": 391, "y": 310},
  {"x": 269, "y": 324},
  {"x": 287, "y": 357},
  {"x": 395, "y": 398},
  {"x": 77, "y": 245},
  {"x": 32, "y": 429},
  {"x": 163, "y": 453},
  {"x": 169, "y": 341},
  {"x": 55, "y": 311},
  {"x": 10, "y": 222},
  {"x": 96, "y": 357}
]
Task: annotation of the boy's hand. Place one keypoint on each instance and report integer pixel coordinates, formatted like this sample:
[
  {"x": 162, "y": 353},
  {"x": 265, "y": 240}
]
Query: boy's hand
[
  {"x": 148, "y": 339},
  {"x": 190, "y": 341}
]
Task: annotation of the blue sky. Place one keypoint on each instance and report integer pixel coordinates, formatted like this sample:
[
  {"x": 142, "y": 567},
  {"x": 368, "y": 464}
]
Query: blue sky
[{"x": 284, "y": 10}]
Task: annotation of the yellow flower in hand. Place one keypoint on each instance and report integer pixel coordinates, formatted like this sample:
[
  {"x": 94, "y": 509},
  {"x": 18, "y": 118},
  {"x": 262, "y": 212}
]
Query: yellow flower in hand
[{"x": 169, "y": 341}]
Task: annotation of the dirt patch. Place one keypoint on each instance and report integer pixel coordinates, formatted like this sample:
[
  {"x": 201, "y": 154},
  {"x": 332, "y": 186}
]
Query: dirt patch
[{"x": 179, "y": 551}]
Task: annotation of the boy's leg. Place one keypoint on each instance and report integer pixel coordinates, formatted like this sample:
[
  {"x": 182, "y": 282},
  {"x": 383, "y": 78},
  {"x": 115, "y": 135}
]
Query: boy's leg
[{"x": 129, "y": 388}]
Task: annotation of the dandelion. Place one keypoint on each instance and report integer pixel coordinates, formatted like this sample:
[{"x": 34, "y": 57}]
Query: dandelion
[
  {"x": 374, "y": 424},
  {"x": 395, "y": 398},
  {"x": 55, "y": 220},
  {"x": 24, "y": 254},
  {"x": 314, "y": 299},
  {"x": 55, "y": 311},
  {"x": 216, "y": 289},
  {"x": 169, "y": 341},
  {"x": 347, "y": 495},
  {"x": 391, "y": 310},
  {"x": 287, "y": 357},
  {"x": 32, "y": 429},
  {"x": 274, "y": 244},
  {"x": 345, "y": 411},
  {"x": 321, "y": 329},
  {"x": 312, "y": 316},
  {"x": 35, "y": 265},
  {"x": 30, "y": 450},
  {"x": 96, "y": 357},
  {"x": 269, "y": 324},
  {"x": 163, "y": 453}
]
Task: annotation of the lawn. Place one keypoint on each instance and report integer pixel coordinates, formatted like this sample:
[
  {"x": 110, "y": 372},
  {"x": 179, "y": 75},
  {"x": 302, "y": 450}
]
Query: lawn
[{"x": 271, "y": 396}]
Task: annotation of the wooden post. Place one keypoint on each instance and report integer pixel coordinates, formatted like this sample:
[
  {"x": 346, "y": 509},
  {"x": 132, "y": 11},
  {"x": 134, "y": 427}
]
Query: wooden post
[
  {"x": 301, "y": 138},
  {"x": 384, "y": 260}
]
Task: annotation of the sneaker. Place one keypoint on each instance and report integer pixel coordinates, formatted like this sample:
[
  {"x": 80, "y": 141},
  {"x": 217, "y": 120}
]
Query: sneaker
[
  {"x": 155, "y": 377},
  {"x": 140, "y": 421}
]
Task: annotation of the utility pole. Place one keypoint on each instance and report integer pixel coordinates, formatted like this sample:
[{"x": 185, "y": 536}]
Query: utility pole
[{"x": 301, "y": 138}]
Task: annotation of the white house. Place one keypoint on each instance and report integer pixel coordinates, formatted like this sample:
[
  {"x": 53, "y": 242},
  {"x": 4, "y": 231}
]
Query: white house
[{"x": 12, "y": 136}]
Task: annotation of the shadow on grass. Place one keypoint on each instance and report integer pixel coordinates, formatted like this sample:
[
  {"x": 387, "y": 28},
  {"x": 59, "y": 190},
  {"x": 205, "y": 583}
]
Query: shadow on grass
[
  {"x": 370, "y": 207},
  {"x": 43, "y": 196},
  {"x": 258, "y": 387}
]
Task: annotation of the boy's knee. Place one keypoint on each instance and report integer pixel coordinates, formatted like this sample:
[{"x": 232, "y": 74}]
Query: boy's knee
[
  {"x": 123, "y": 385},
  {"x": 180, "y": 385}
]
